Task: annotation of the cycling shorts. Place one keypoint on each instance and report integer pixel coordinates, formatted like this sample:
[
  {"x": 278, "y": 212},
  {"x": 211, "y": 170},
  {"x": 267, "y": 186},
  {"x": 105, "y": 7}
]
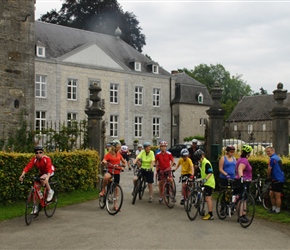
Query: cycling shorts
[
  {"x": 116, "y": 178},
  {"x": 208, "y": 190},
  {"x": 162, "y": 175},
  {"x": 149, "y": 175},
  {"x": 276, "y": 186}
]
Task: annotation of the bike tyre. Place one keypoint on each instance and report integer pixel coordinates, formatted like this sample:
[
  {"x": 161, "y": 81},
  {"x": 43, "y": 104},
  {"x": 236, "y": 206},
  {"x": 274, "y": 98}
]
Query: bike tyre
[
  {"x": 112, "y": 198},
  {"x": 50, "y": 206},
  {"x": 221, "y": 205},
  {"x": 187, "y": 194},
  {"x": 192, "y": 204},
  {"x": 266, "y": 201},
  {"x": 136, "y": 190},
  {"x": 142, "y": 188},
  {"x": 168, "y": 195},
  {"x": 29, "y": 207},
  {"x": 102, "y": 199},
  {"x": 250, "y": 210}
]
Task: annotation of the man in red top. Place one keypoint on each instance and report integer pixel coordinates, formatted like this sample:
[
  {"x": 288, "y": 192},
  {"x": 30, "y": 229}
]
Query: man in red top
[
  {"x": 164, "y": 161},
  {"x": 46, "y": 169}
]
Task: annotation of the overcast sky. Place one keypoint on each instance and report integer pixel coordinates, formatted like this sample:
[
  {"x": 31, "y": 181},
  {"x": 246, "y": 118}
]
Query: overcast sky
[{"x": 249, "y": 38}]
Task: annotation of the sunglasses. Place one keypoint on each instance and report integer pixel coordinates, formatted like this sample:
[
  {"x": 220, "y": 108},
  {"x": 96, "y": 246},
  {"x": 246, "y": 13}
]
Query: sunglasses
[{"x": 39, "y": 153}]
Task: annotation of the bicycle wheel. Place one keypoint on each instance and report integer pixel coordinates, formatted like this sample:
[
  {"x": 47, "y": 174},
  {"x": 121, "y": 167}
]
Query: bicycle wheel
[
  {"x": 186, "y": 195},
  {"x": 192, "y": 204},
  {"x": 266, "y": 201},
  {"x": 114, "y": 199},
  {"x": 136, "y": 190},
  {"x": 102, "y": 199},
  {"x": 174, "y": 186},
  {"x": 29, "y": 207},
  {"x": 142, "y": 188},
  {"x": 201, "y": 206},
  {"x": 246, "y": 211},
  {"x": 168, "y": 195},
  {"x": 50, "y": 206},
  {"x": 221, "y": 205}
]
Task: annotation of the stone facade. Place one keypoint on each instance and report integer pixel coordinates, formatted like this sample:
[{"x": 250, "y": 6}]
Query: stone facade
[{"x": 16, "y": 65}]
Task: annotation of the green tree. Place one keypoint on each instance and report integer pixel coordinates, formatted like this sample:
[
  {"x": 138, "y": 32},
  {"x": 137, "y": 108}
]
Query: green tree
[
  {"x": 234, "y": 87},
  {"x": 102, "y": 16}
]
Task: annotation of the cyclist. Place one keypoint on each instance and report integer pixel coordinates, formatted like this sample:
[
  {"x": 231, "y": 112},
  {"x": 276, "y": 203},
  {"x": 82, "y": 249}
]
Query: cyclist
[
  {"x": 243, "y": 173},
  {"x": 194, "y": 147},
  {"x": 227, "y": 166},
  {"x": 276, "y": 175},
  {"x": 113, "y": 157},
  {"x": 46, "y": 170},
  {"x": 107, "y": 148},
  {"x": 139, "y": 149},
  {"x": 163, "y": 162},
  {"x": 148, "y": 160},
  {"x": 126, "y": 155},
  {"x": 206, "y": 172},
  {"x": 187, "y": 171}
]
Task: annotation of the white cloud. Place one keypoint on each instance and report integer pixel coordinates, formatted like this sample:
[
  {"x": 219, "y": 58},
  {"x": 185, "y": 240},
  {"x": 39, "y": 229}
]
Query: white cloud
[{"x": 248, "y": 38}]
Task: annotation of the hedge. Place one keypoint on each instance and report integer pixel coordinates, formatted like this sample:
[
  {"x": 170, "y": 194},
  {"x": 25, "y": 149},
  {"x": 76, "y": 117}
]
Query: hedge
[{"x": 74, "y": 170}]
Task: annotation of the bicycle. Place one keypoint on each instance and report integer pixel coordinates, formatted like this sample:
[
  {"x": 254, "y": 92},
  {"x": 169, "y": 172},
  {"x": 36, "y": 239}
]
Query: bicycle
[
  {"x": 169, "y": 190},
  {"x": 188, "y": 188},
  {"x": 196, "y": 201},
  {"x": 260, "y": 190},
  {"x": 36, "y": 200},
  {"x": 113, "y": 196},
  {"x": 139, "y": 185}
]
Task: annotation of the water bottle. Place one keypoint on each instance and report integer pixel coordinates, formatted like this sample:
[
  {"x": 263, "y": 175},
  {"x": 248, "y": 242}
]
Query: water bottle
[
  {"x": 234, "y": 198},
  {"x": 40, "y": 194}
]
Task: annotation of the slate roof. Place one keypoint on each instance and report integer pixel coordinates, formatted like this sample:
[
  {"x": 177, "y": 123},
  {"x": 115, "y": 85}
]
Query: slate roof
[
  {"x": 187, "y": 90},
  {"x": 255, "y": 108},
  {"x": 60, "y": 40}
]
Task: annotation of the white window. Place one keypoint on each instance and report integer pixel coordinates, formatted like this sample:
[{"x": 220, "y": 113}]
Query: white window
[
  {"x": 137, "y": 66},
  {"x": 155, "y": 69},
  {"x": 235, "y": 127},
  {"x": 71, "y": 117},
  {"x": 201, "y": 122},
  {"x": 175, "y": 120},
  {"x": 250, "y": 128},
  {"x": 156, "y": 97},
  {"x": 40, "y": 51},
  {"x": 40, "y": 86},
  {"x": 138, "y": 96},
  {"x": 200, "y": 98},
  {"x": 113, "y": 125},
  {"x": 264, "y": 127},
  {"x": 156, "y": 127},
  {"x": 72, "y": 89},
  {"x": 40, "y": 119},
  {"x": 138, "y": 126},
  {"x": 114, "y": 88}
]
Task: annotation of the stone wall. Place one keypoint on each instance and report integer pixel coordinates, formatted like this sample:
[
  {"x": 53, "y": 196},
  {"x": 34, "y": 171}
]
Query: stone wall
[{"x": 16, "y": 64}]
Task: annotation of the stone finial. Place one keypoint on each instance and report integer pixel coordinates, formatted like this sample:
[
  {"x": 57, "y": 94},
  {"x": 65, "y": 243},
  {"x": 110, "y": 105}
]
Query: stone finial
[
  {"x": 280, "y": 85},
  {"x": 118, "y": 32}
]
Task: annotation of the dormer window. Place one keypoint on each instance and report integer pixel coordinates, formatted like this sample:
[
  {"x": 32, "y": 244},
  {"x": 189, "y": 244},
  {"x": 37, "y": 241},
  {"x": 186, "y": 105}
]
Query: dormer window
[
  {"x": 200, "y": 98},
  {"x": 40, "y": 51},
  {"x": 155, "y": 69},
  {"x": 137, "y": 66}
]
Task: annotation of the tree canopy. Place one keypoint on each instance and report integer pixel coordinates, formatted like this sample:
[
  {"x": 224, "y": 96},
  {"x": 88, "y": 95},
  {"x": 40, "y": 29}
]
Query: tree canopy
[
  {"x": 234, "y": 87},
  {"x": 102, "y": 16}
]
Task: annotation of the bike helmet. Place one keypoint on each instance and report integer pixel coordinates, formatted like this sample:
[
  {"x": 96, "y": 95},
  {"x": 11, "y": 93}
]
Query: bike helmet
[
  {"x": 38, "y": 147},
  {"x": 108, "y": 145},
  {"x": 184, "y": 152},
  {"x": 146, "y": 144},
  {"x": 115, "y": 142},
  {"x": 198, "y": 154},
  {"x": 124, "y": 148},
  {"x": 140, "y": 146},
  {"x": 230, "y": 148},
  {"x": 247, "y": 148},
  {"x": 194, "y": 141},
  {"x": 163, "y": 143}
]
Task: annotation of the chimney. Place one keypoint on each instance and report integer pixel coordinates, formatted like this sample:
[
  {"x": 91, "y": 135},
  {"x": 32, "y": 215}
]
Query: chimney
[{"x": 174, "y": 72}]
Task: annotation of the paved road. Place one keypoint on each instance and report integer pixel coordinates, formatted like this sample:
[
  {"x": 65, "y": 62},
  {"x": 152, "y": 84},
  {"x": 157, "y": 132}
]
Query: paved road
[{"x": 140, "y": 226}]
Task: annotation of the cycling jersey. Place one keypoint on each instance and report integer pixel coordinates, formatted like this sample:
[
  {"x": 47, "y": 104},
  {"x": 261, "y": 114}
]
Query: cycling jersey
[
  {"x": 206, "y": 168},
  {"x": 164, "y": 160},
  {"x": 277, "y": 173},
  {"x": 247, "y": 173},
  {"x": 43, "y": 164},
  {"x": 115, "y": 160},
  {"x": 185, "y": 166},
  {"x": 146, "y": 158}
]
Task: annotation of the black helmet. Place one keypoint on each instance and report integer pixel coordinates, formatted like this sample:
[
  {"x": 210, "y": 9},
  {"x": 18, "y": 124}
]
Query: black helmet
[
  {"x": 198, "y": 154},
  {"x": 230, "y": 147},
  {"x": 38, "y": 147}
]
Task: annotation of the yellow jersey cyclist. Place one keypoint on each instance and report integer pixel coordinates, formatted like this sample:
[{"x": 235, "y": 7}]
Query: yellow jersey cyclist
[{"x": 148, "y": 160}]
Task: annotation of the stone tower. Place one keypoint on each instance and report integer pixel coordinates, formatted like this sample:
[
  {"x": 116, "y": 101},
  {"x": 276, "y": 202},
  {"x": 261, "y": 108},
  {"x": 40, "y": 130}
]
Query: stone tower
[{"x": 17, "y": 50}]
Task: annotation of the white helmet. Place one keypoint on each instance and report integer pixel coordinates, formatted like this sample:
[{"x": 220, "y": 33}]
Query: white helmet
[
  {"x": 184, "y": 152},
  {"x": 194, "y": 141},
  {"x": 124, "y": 148}
]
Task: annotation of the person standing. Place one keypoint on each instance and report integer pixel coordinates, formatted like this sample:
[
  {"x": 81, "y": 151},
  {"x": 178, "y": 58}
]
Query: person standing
[
  {"x": 227, "y": 165},
  {"x": 277, "y": 176},
  {"x": 194, "y": 160},
  {"x": 207, "y": 175}
]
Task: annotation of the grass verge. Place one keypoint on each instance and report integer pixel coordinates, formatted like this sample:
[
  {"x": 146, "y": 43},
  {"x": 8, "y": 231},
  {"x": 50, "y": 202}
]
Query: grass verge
[{"x": 17, "y": 209}]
